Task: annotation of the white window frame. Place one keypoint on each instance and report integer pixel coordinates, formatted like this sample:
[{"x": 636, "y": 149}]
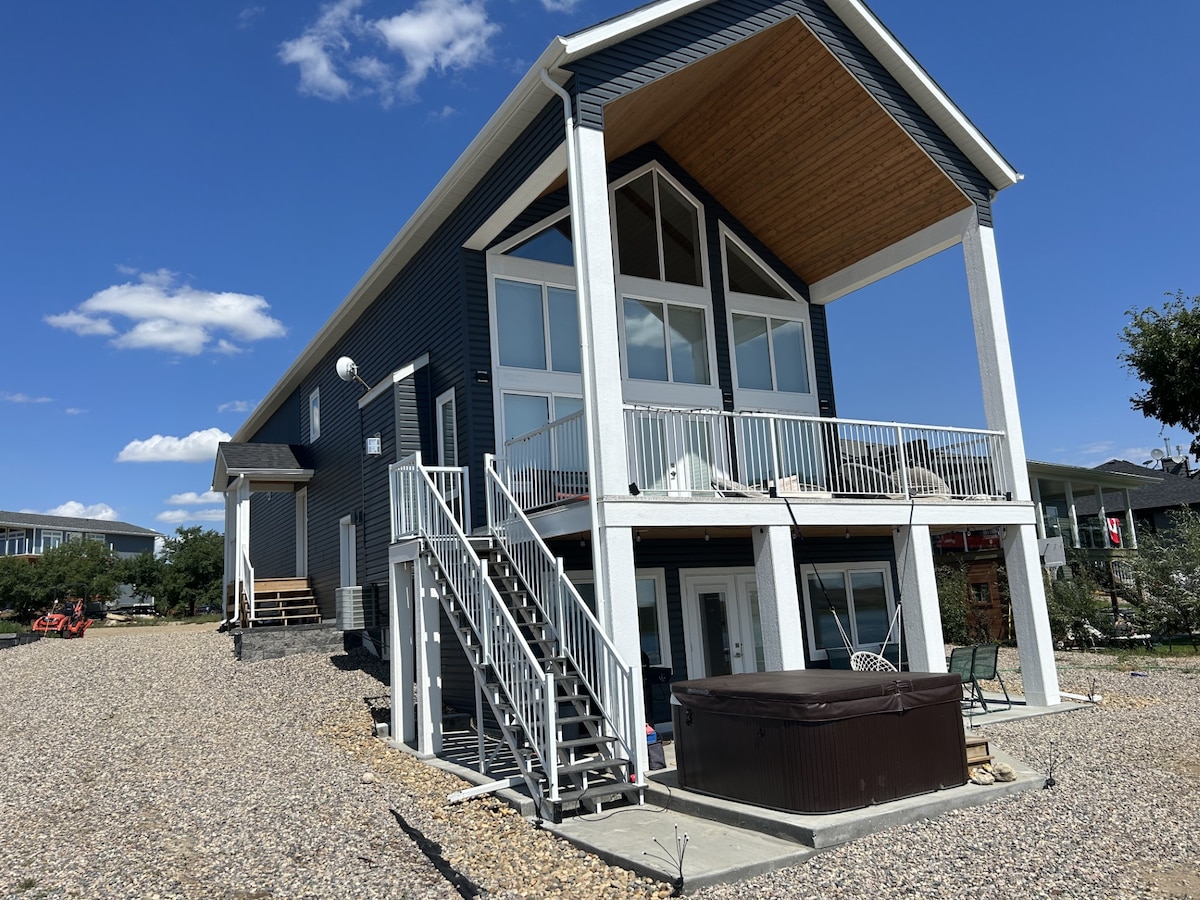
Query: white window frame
[
  {"x": 446, "y": 399},
  {"x": 56, "y": 536},
  {"x": 94, "y": 536},
  {"x": 659, "y": 576},
  {"x": 640, "y": 390},
  {"x": 882, "y": 566},
  {"x": 314, "y": 415},
  {"x": 794, "y": 310}
]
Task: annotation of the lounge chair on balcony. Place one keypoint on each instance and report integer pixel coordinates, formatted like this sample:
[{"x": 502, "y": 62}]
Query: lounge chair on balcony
[{"x": 975, "y": 664}]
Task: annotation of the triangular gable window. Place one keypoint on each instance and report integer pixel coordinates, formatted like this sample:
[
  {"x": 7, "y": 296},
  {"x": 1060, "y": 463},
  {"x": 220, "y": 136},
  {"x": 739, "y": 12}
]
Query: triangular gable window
[
  {"x": 746, "y": 276},
  {"x": 551, "y": 245}
]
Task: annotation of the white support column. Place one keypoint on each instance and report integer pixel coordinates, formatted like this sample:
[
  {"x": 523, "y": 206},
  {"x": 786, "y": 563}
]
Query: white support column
[
  {"x": 1133, "y": 545},
  {"x": 600, "y": 346},
  {"x": 778, "y": 598},
  {"x": 428, "y": 661},
  {"x": 1000, "y": 406},
  {"x": 617, "y": 611},
  {"x": 1102, "y": 516},
  {"x": 400, "y": 632},
  {"x": 1028, "y": 596},
  {"x": 1073, "y": 516},
  {"x": 921, "y": 613},
  {"x": 1035, "y": 490},
  {"x": 995, "y": 356},
  {"x": 242, "y": 541}
]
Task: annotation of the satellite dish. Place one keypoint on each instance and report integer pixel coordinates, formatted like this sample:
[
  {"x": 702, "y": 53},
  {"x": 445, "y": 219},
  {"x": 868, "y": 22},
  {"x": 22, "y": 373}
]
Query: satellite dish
[
  {"x": 1156, "y": 453},
  {"x": 347, "y": 370}
]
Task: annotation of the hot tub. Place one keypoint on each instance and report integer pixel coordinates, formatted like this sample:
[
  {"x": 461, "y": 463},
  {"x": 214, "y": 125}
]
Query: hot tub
[{"x": 819, "y": 741}]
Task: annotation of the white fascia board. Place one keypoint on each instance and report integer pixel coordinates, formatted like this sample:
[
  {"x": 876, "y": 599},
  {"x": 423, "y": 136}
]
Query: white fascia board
[
  {"x": 925, "y": 243},
  {"x": 396, "y": 377},
  {"x": 535, "y": 185},
  {"x": 914, "y": 79},
  {"x": 273, "y": 474}
]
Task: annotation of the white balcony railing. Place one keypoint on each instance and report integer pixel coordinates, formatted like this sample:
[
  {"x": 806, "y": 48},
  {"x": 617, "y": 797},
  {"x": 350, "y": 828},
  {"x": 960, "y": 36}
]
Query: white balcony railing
[{"x": 685, "y": 453}]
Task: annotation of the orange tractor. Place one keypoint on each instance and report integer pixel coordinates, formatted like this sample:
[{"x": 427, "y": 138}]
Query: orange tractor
[{"x": 70, "y": 621}]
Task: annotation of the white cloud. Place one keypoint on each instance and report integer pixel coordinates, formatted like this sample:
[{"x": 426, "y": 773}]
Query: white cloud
[
  {"x": 24, "y": 398},
  {"x": 75, "y": 510},
  {"x": 337, "y": 60},
  {"x": 444, "y": 113},
  {"x": 170, "y": 317},
  {"x": 191, "y": 498},
  {"x": 179, "y": 516},
  {"x": 199, "y": 446},
  {"x": 559, "y": 5},
  {"x": 247, "y": 16},
  {"x": 237, "y": 406},
  {"x": 74, "y": 411}
]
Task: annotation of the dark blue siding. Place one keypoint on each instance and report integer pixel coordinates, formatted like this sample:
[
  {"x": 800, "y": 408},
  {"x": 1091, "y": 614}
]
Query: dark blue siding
[{"x": 273, "y": 535}]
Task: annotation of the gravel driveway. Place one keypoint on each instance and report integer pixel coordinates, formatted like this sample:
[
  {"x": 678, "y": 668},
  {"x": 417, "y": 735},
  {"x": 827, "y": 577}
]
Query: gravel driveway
[{"x": 150, "y": 764}]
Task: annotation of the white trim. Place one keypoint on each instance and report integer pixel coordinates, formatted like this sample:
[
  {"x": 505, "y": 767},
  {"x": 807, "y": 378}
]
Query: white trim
[
  {"x": 302, "y": 532},
  {"x": 925, "y": 243},
  {"x": 314, "y": 415},
  {"x": 347, "y": 552},
  {"x": 530, "y": 190},
  {"x": 446, "y": 398},
  {"x": 805, "y": 571},
  {"x": 736, "y": 583},
  {"x": 405, "y": 371}
]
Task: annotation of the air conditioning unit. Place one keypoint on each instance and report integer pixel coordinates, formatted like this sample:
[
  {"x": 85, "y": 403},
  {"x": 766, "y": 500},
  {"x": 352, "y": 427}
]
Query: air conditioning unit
[{"x": 351, "y": 613}]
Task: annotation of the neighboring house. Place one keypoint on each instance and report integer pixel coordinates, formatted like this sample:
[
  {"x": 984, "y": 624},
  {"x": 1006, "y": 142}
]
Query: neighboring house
[
  {"x": 619, "y": 290},
  {"x": 1167, "y": 490},
  {"x": 30, "y": 535},
  {"x": 1069, "y": 519}
]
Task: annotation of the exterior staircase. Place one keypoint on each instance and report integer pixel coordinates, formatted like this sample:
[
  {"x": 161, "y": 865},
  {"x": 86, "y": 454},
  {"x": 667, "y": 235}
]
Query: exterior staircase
[
  {"x": 555, "y": 685},
  {"x": 276, "y": 601}
]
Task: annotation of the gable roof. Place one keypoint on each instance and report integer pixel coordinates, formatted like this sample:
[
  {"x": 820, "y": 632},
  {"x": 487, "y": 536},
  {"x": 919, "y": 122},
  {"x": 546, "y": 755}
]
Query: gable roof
[
  {"x": 278, "y": 463},
  {"x": 70, "y": 523},
  {"x": 530, "y": 98},
  {"x": 1166, "y": 492}
]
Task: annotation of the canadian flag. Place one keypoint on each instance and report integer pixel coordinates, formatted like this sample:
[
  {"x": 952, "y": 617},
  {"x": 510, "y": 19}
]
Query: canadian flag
[{"x": 1114, "y": 530}]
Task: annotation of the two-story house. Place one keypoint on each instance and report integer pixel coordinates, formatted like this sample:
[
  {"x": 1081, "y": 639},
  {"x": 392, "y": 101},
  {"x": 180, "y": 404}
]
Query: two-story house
[
  {"x": 578, "y": 420},
  {"x": 32, "y": 534}
]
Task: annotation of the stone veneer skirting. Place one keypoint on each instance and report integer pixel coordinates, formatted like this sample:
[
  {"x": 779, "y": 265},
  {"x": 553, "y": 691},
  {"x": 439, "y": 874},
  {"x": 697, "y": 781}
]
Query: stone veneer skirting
[{"x": 256, "y": 644}]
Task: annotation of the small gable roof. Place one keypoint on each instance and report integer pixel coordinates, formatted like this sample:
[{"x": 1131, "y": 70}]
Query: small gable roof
[
  {"x": 71, "y": 523},
  {"x": 278, "y": 464}
]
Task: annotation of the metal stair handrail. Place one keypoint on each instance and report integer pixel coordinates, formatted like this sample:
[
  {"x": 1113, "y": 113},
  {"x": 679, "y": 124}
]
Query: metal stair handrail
[
  {"x": 529, "y": 690},
  {"x": 581, "y": 638}
]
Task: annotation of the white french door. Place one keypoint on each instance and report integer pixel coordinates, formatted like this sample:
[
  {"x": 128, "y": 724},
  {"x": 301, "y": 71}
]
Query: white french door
[{"x": 722, "y": 625}]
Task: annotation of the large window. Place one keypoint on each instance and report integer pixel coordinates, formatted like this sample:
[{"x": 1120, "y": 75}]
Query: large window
[
  {"x": 537, "y": 325},
  {"x": 314, "y": 415},
  {"x": 651, "y": 591},
  {"x": 15, "y": 541},
  {"x": 768, "y": 328},
  {"x": 666, "y": 342},
  {"x": 51, "y": 539},
  {"x": 658, "y": 231},
  {"x": 857, "y": 597}
]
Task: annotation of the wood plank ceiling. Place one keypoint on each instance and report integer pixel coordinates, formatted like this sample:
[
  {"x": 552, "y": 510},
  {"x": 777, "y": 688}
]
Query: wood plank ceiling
[{"x": 790, "y": 143}]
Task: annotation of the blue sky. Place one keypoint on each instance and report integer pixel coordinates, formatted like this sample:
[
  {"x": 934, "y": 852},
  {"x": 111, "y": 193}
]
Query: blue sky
[{"x": 188, "y": 190}]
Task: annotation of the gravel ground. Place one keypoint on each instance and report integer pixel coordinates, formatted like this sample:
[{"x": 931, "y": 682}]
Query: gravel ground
[{"x": 151, "y": 764}]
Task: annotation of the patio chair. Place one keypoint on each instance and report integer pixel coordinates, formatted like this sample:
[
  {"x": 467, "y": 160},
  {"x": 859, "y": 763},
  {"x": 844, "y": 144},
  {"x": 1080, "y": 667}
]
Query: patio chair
[
  {"x": 983, "y": 668},
  {"x": 961, "y": 663}
]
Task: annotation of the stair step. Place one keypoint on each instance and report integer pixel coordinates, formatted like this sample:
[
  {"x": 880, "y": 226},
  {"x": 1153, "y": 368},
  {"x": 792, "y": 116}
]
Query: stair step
[
  {"x": 598, "y": 791},
  {"x": 578, "y": 719},
  {"x": 594, "y": 764},
  {"x": 588, "y": 741}
]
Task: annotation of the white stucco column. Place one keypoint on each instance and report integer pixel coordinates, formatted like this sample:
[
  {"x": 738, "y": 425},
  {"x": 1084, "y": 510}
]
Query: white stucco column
[
  {"x": 241, "y": 529},
  {"x": 1028, "y": 596},
  {"x": 400, "y": 637},
  {"x": 1102, "y": 516},
  {"x": 921, "y": 614},
  {"x": 778, "y": 598},
  {"x": 428, "y": 658}
]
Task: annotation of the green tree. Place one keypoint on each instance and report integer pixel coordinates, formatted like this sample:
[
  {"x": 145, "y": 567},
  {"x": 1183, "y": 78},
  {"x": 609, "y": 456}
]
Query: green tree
[
  {"x": 1168, "y": 574},
  {"x": 1164, "y": 353},
  {"x": 18, "y": 587},
  {"x": 953, "y": 599},
  {"x": 193, "y": 569},
  {"x": 144, "y": 573},
  {"x": 1076, "y": 606},
  {"x": 72, "y": 568}
]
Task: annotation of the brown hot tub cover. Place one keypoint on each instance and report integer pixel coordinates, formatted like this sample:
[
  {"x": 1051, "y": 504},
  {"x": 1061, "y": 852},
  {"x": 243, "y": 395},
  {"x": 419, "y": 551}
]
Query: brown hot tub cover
[{"x": 819, "y": 741}]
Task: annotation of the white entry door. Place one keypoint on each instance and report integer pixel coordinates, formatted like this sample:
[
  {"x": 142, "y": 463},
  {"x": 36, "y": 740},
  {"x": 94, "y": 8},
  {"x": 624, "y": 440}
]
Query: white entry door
[{"x": 722, "y": 626}]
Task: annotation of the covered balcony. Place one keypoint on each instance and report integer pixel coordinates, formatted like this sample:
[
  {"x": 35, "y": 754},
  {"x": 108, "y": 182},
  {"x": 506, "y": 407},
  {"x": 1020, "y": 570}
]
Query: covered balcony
[{"x": 673, "y": 453}]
